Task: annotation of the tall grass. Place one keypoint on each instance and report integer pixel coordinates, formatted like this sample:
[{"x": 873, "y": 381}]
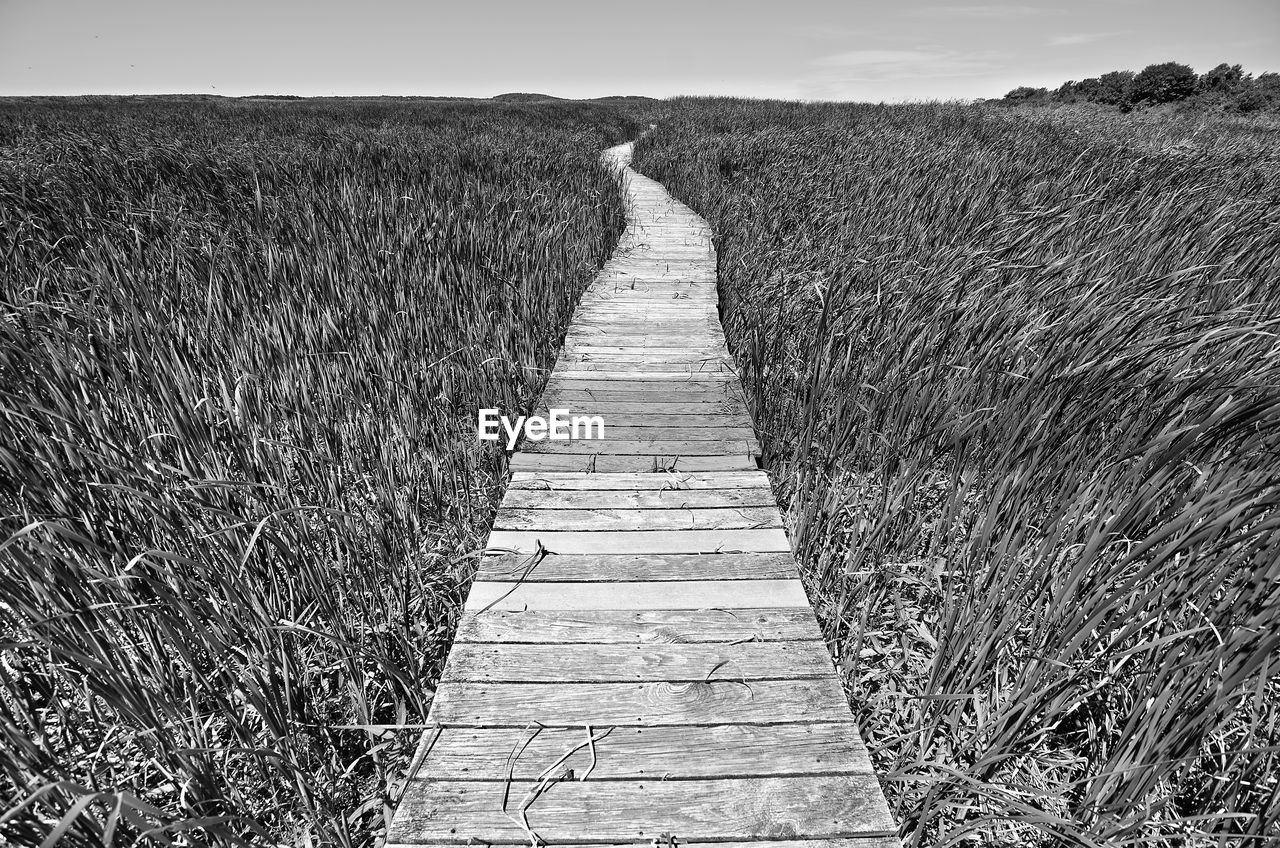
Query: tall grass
[
  {"x": 1020, "y": 391},
  {"x": 242, "y": 347}
]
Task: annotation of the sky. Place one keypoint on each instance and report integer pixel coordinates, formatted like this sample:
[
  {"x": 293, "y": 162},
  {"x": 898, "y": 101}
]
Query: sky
[{"x": 887, "y": 50}]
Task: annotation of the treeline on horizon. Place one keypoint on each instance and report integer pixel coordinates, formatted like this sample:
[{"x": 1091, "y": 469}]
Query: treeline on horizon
[{"x": 1225, "y": 87}]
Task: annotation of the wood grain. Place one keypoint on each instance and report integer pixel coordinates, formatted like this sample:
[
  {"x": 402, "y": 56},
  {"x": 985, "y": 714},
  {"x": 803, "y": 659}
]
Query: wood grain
[
  {"x": 648, "y": 499},
  {"x": 631, "y": 518},
  {"x": 673, "y": 594},
  {"x": 674, "y": 662},
  {"x": 665, "y": 753},
  {"x": 766, "y": 540},
  {"x": 765, "y": 624},
  {"x": 598, "y": 810},
  {"x": 610, "y": 446},
  {"x": 639, "y": 704},
  {"x": 677, "y": 481}
]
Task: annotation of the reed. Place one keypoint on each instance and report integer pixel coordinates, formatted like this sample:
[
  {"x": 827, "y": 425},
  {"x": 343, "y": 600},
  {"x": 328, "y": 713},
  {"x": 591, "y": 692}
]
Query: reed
[
  {"x": 242, "y": 346},
  {"x": 1018, "y": 385}
]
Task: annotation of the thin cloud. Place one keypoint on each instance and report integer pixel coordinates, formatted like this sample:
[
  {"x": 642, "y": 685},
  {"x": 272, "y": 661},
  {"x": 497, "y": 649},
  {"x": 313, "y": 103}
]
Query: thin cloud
[
  {"x": 993, "y": 10},
  {"x": 875, "y": 65},
  {"x": 1078, "y": 38}
]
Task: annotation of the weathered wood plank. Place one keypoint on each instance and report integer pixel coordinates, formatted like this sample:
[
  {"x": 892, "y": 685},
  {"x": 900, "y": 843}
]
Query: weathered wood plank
[
  {"x": 637, "y": 753},
  {"x": 630, "y": 518},
  {"x": 840, "y": 842},
  {"x": 596, "y": 337},
  {"x": 656, "y": 366},
  {"x": 810, "y": 806},
  {"x": 614, "y": 432},
  {"x": 584, "y": 404},
  {"x": 633, "y": 499},
  {"x": 594, "y": 400},
  {"x": 717, "y": 702},
  {"x": 635, "y": 568},
  {"x": 587, "y": 354},
  {"x": 631, "y": 374},
  {"x": 673, "y": 662},
  {"x": 764, "y": 624},
  {"x": 671, "y": 595},
  {"x": 693, "y": 425},
  {"x": 685, "y": 481},
  {"x": 711, "y": 384},
  {"x": 640, "y": 541},
  {"x": 606, "y": 347},
  {"x": 536, "y": 462},
  {"x": 641, "y": 447}
]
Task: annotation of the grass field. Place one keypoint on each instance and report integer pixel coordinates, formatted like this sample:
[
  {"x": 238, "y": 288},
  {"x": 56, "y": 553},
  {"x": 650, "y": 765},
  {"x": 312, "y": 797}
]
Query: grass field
[
  {"x": 1016, "y": 374},
  {"x": 242, "y": 346},
  {"x": 1017, "y": 379}
]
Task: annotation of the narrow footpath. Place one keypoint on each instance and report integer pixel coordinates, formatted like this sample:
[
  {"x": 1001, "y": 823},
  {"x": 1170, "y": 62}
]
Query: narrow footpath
[{"x": 638, "y": 663}]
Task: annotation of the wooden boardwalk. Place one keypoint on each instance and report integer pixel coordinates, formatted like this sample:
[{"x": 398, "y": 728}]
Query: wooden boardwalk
[{"x": 660, "y": 675}]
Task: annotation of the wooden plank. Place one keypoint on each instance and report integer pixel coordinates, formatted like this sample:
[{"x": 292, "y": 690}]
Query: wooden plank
[
  {"x": 639, "y": 704},
  {"x": 635, "y": 568},
  {"x": 684, "y": 481},
  {"x": 597, "y": 337},
  {"x": 647, "y": 365},
  {"x": 674, "y": 662},
  {"x": 649, "y": 347},
  {"x": 764, "y": 624},
  {"x": 640, "y": 541},
  {"x": 645, "y": 499},
  {"x": 839, "y": 842},
  {"x": 605, "y": 810},
  {"x": 584, "y": 404},
  {"x": 637, "y": 753},
  {"x": 720, "y": 385},
  {"x": 618, "y": 433},
  {"x": 630, "y": 518},
  {"x": 641, "y": 447},
  {"x": 590, "y": 394},
  {"x": 598, "y": 401},
  {"x": 696, "y": 294},
  {"x": 667, "y": 595},
  {"x": 672, "y": 327},
  {"x": 600, "y": 348},
  {"x": 666, "y": 376},
  {"x": 684, "y": 423},
  {"x": 538, "y": 462},
  {"x": 694, "y": 318}
]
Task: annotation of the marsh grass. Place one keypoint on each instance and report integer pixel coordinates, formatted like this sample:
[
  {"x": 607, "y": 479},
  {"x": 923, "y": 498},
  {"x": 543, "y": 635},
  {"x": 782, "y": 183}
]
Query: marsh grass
[
  {"x": 242, "y": 346},
  {"x": 1018, "y": 384}
]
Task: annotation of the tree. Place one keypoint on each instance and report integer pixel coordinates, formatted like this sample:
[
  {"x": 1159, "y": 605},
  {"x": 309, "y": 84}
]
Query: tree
[
  {"x": 1222, "y": 79},
  {"x": 1165, "y": 82},
  {"x": 1023, "y": 93},
  {"x": 1089, "y": 88},
  {"x": 1114, "y": 88},
  {"x": 1253, "y": 95}
]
